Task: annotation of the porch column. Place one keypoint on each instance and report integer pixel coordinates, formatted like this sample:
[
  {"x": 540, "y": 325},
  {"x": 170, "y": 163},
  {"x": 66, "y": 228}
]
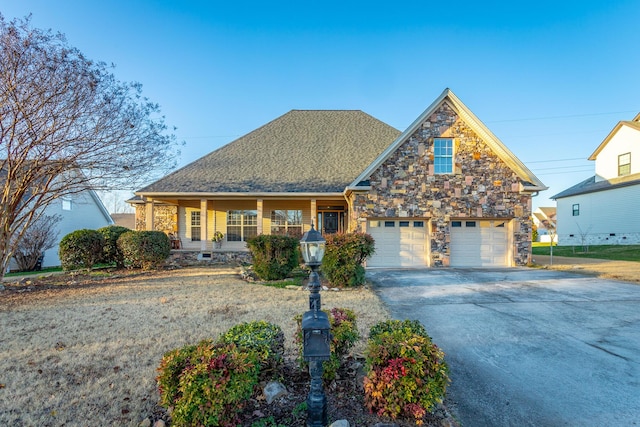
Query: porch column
[
  {"x": 148, "y": 215},
  {"x": 204, "y": 222},
  {"x": 259, "y": 208},
  {"x": 314, "y": 215}
]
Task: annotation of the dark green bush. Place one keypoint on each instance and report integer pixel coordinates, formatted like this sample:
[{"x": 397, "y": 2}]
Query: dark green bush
[
  {"x": 266, "y": 339},
  {"x": 80, "y": 249},
  {"x": 344, "y": 331},
  {"x": 146, "y": 249},
  {"x": 274, "y": 257},
  {"x": 111, "y": 254},
  {"x": 214, "y": 381},
  {"x": 406, "y": 375},
  {"x": 345, "y": 253}
]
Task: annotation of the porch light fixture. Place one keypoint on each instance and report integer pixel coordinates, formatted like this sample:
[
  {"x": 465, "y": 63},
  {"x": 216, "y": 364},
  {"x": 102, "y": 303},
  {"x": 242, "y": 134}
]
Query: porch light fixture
[{"x": 316, "y": 330}]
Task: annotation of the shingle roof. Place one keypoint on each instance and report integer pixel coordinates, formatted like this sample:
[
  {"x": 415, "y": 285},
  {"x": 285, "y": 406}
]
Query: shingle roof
[
  {"x": 590, "y": 185},
  {"x": 302, "y": 151}
]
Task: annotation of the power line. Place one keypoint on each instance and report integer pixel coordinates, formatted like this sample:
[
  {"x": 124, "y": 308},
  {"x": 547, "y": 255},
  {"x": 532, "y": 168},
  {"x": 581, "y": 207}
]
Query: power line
[
  {"x": 572, "y": 116},
  {"x": 558, "y": 160},
  {"x": 565, "y": 172},
  {"x": 563, "y": 167}
]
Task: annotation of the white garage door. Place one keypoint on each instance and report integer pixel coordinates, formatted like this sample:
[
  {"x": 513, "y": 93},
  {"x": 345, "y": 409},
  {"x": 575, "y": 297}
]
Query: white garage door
[
  {"x": 399, "y": 243},
  {"x": 479, "y": 244}
]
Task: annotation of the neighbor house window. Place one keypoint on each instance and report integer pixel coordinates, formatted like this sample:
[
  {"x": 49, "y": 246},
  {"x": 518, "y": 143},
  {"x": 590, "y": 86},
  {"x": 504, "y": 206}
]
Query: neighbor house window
[
  {"x": 242, "y": 225},
  {"x": 443, "y": 155},
  {"x": 576, "y": 209},
  {"x": 195, "y": 226},
  {"x": 66, "y": 204},
  {"x": 624, "y": 164},
  {"x": 287, "y": 222}
]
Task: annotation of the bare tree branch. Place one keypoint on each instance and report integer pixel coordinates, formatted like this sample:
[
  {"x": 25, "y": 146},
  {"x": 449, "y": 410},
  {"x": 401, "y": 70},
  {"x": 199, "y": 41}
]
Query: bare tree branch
[{"x": 67, "y": 125}]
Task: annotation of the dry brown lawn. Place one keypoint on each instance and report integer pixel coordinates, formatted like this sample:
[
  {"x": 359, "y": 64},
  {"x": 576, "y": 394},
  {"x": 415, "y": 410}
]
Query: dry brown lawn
[
  {"x": 628, "y": 271},
  {"x": 86, "y": 353}
]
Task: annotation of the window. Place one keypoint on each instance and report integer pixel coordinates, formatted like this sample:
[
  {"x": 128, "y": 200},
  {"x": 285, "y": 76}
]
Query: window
[
  {"x": 576, "y": 209},
  {"x": 66, "y": 204},
  {"x": 470, "y": 224},
  {"x": 443, "y": 155},
  {"x": 404, "y": 223},
  {"x": 241, "y": 225},
  {"x": 389, "y": 223},
  {"x": 286, "y": 222},
  {"x": 624, "y": 164},
  {"x": 418, "y": 224},
  {"x": 456, "y": 224},
  {"x": 195, "y": 226}
]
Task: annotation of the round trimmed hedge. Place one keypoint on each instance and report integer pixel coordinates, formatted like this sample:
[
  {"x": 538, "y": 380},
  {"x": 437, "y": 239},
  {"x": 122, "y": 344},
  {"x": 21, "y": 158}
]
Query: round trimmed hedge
[
  {"x": 81, "y": 249},
  {"x": 145, "y": 249}
]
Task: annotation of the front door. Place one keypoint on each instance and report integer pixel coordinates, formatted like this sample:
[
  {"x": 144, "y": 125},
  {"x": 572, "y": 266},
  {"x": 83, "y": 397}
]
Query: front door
[{"x": 329, "y": 222}]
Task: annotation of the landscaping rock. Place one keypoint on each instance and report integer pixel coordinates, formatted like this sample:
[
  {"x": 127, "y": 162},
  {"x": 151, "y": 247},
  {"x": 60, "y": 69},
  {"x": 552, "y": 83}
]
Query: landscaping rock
[
  {"x": 340, "y": 423},
  {"x": 274, "y": 390},
  {"x": 145, "y": 423}
]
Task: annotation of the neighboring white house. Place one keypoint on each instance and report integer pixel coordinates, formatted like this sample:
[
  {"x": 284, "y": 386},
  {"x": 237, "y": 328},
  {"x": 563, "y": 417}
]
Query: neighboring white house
[
  {"x": 544, "y": 219},
  {"x": 82, "y": 210},
  {"x": 604, "y": 208}
]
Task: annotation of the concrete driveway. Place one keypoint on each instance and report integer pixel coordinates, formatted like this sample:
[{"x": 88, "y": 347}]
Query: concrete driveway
[{"x": 527, "y": 347}]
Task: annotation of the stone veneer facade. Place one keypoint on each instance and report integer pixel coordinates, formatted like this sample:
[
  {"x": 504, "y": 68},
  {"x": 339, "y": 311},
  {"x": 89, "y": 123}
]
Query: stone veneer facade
[{"x": 481, "y": 186}]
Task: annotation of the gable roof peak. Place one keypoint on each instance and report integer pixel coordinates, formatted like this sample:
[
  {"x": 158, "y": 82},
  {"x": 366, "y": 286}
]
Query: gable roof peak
[
  {"x": 634, "y": 124},
  {"x": 529, "y": 180}
]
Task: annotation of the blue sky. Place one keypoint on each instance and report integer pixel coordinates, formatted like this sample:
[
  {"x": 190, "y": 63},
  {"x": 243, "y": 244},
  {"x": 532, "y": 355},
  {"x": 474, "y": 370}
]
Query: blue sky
[{"x": 549, "y": 78}]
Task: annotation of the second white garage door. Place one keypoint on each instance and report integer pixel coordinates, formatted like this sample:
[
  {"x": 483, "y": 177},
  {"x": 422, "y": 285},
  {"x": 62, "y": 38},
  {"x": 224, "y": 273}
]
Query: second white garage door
[
  {"x": 399, "y": 243},
  {"x": 479, "y": 244}
]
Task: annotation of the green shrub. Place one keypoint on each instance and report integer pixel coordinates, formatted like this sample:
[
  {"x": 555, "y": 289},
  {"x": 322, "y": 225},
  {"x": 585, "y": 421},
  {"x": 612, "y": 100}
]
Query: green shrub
[
  {"x": 345, "y": 253},
  {"x": 387, "y": 326},
  {"x": 214, "y": 383},
  {"x": 344, "y": 331},
  {"x": 406, "y": 375},
  {"x": 274, "y": 257},
  {"x": 266, "y": 339},
  {"x": 146, "y": 249},
  {"x": 80, "y": 249},
  {"x": 111, "y": 254},
  {"x": 172, "y": 365}
]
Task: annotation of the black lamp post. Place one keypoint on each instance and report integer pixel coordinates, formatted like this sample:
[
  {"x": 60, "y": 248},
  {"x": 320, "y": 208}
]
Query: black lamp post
[{"x": 316, "y": 330}]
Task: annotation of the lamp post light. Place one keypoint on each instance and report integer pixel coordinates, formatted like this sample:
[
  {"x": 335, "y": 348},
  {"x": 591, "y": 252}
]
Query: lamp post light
[{"x": 316, "y": 330}]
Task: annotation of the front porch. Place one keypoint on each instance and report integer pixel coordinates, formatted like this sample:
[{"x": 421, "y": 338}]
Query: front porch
[{"x": 191, "y": 224}]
